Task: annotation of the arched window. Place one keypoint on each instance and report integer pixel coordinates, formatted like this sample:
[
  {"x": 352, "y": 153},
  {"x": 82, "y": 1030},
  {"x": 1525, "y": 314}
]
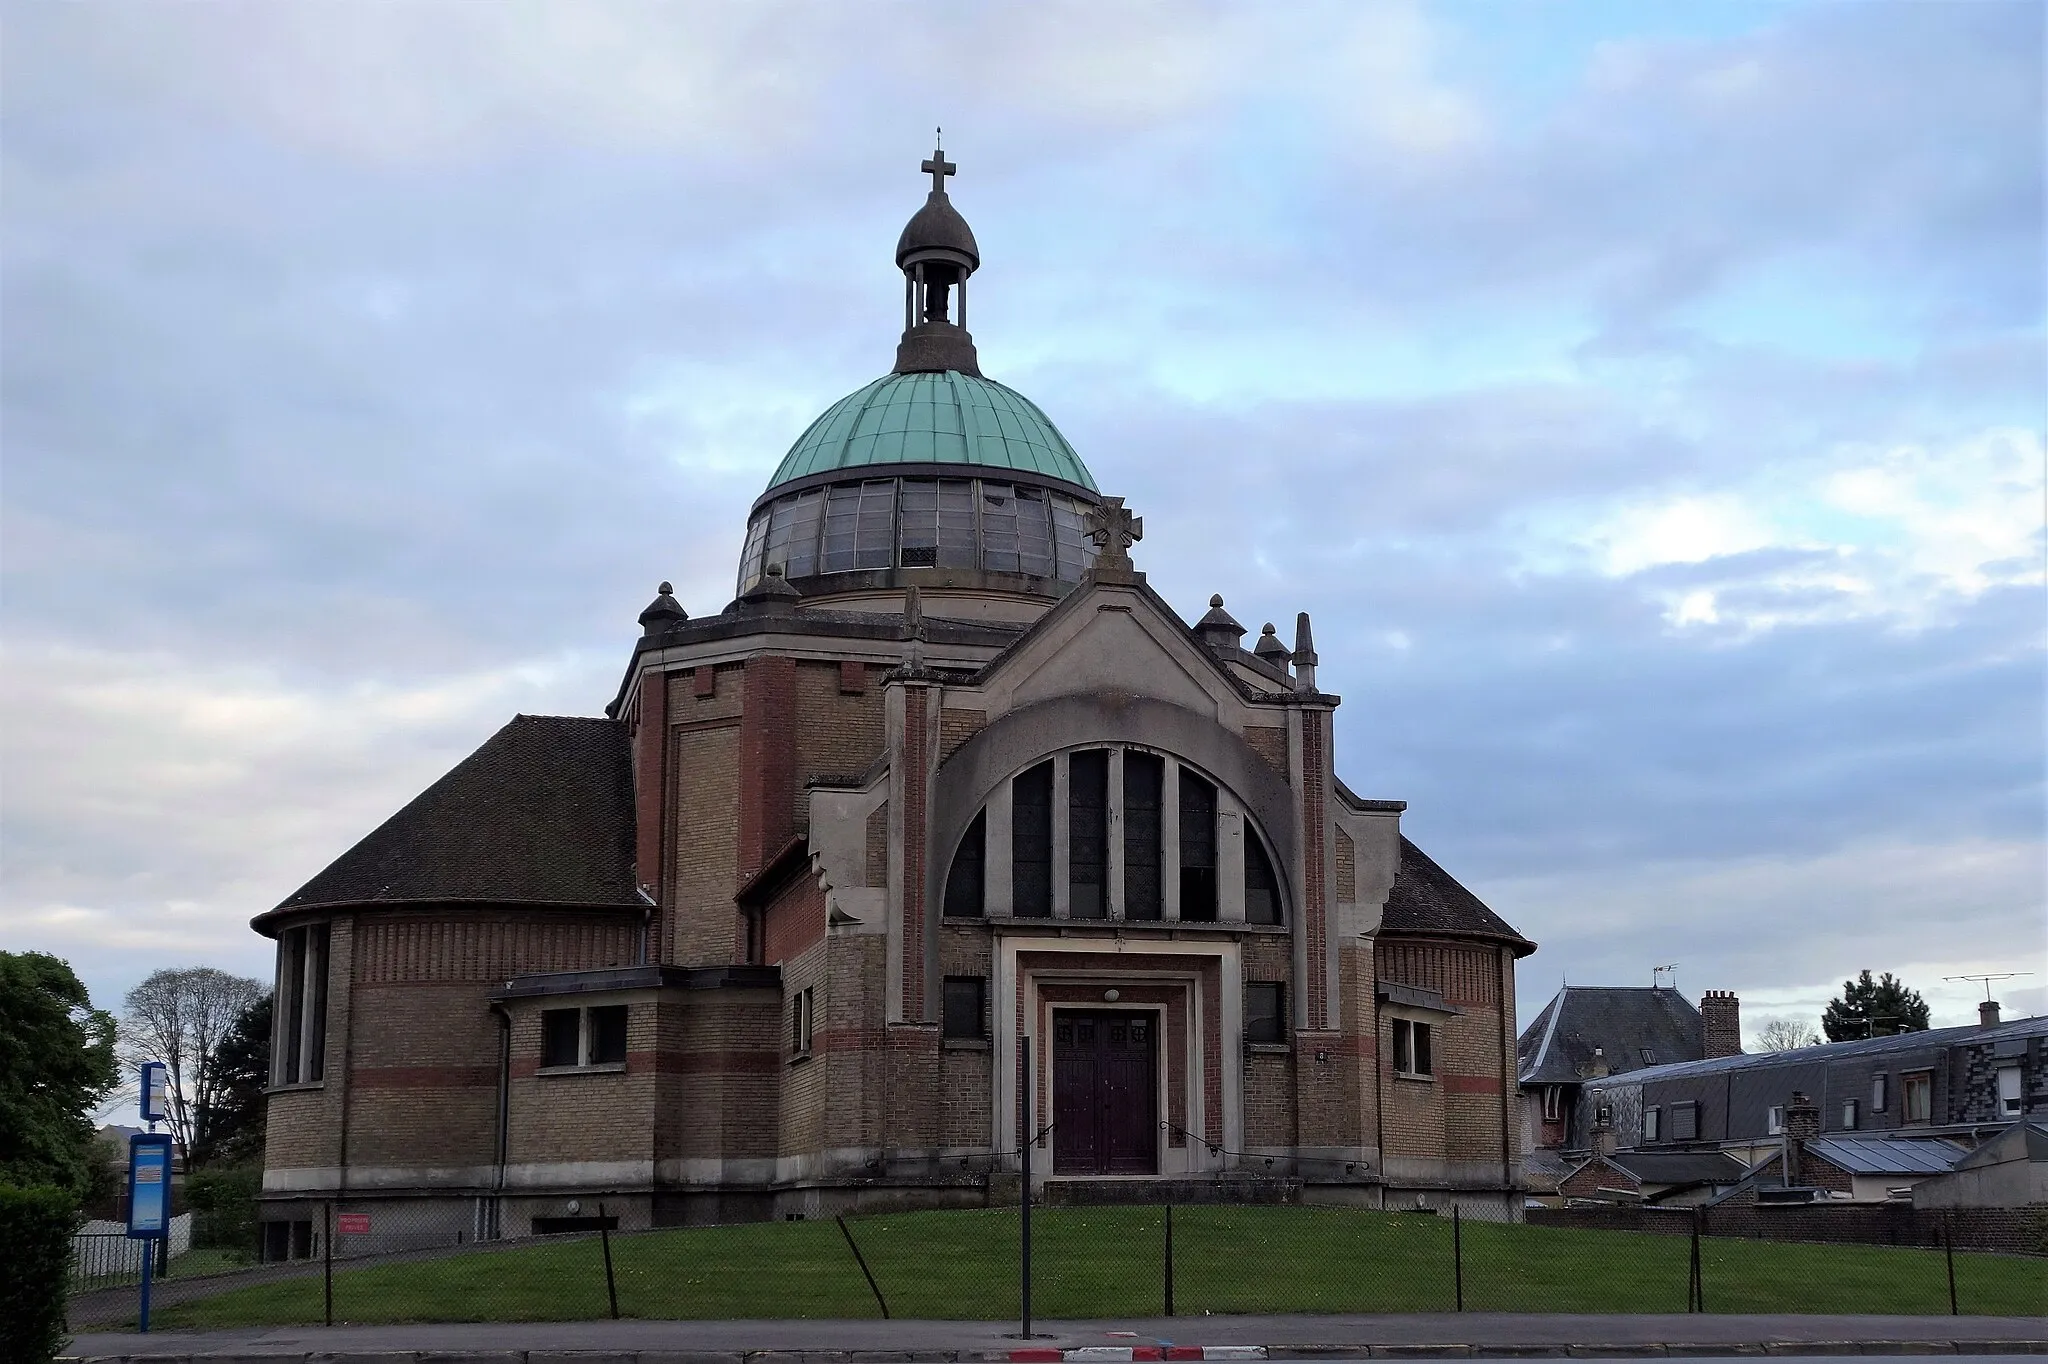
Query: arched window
[
  {"x": 1031, "y": 843},
  {"x": 1144, "y": 784},
  {"x": 1088, "y": 835},
  {"x": 1261, "y": 886},
  {"x": 966, "y": 884},
  {"x": 1197, "y": 849},
  {"x": 1116, "y": 833}
]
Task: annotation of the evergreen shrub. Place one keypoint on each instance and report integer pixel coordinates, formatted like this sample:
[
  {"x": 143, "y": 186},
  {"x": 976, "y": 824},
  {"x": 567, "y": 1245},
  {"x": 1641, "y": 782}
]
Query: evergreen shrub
[{"x": 36, "y": 1225}]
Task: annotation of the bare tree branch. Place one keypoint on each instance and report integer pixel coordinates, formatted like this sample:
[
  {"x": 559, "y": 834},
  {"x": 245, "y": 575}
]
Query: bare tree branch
[
  {"x": 180, "y": 1017},
  {"x": 1785, "y": 1034}
]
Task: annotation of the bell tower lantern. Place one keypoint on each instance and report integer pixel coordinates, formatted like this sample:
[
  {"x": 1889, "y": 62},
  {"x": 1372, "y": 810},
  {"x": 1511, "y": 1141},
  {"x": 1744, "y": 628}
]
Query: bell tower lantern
[{"x": 936, "y": 254}]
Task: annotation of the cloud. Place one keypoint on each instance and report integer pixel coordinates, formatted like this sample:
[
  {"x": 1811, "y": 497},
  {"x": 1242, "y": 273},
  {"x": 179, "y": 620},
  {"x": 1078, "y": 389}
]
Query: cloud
[{"x": 1658, "y": 443}]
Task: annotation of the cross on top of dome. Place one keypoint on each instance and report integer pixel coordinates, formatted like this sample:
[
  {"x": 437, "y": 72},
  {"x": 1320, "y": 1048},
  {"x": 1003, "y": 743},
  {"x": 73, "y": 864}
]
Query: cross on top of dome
[
  {"x": 938, "y": 168},
  {"x": 1112, "y": 526}
]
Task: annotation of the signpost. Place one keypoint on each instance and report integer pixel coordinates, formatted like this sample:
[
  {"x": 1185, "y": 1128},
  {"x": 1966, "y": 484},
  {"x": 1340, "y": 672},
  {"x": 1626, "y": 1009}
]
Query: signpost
[
  {"x": 156, "y": 1085},
  {"x": 149, "y": 1202}
]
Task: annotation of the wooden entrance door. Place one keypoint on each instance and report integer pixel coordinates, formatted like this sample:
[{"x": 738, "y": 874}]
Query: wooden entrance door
[{"x": 1105, "y": 1093}]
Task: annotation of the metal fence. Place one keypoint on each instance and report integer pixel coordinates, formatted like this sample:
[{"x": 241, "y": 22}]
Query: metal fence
[{"x": 395, "y": 1261}]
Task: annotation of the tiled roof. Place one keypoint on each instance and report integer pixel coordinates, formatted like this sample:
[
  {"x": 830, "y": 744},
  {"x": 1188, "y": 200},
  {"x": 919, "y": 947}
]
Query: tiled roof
[
  {"x": 542, "y": 813},
  {"x": 1623, "y": 1021},
  {"x": 1427, "y": 899},
  {"x": 943, "y": 418}
]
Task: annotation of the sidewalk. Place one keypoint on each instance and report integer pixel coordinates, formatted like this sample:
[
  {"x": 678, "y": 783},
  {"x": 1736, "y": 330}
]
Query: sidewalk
[{"x": 901, "y": 1342}]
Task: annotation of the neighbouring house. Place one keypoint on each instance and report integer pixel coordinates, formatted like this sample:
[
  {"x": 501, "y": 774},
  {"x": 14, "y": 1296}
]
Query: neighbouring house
[
  {"x": 1668, "y": 1178},
  {"x": 1590, "y": 1032},
  {"x": 1948, "y": 1082},
  {"x": 2009, "y": 1170}
]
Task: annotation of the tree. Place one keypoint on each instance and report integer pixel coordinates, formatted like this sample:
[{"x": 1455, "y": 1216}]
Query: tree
[
  {"x": 180, "y": 1017},
  {"x": 230, "y": 1128},
  {"x": 1873, "y": 1008},
  {"x": 56, "y": 1064},
  {"x": 1784, "y": 1034}
]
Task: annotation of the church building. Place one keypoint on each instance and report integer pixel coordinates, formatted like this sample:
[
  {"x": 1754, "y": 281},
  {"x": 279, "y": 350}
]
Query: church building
[{"x": 947, "y": 840}]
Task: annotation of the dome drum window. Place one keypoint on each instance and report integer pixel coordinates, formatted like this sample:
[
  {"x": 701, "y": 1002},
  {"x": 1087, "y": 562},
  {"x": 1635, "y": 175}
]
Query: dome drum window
[
  {"x": 884, "y": 523},
  {"x": 1112, "y": 833}
]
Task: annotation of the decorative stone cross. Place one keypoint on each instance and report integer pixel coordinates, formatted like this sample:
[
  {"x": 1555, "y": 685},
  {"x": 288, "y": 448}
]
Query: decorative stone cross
[
  {"x": 938, "y": 168},
  {"x": 1112, "y": 526}
]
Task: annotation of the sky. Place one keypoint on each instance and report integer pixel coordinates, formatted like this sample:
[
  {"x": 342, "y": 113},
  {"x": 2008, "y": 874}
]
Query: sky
[{"x": 1645, "y": 399}]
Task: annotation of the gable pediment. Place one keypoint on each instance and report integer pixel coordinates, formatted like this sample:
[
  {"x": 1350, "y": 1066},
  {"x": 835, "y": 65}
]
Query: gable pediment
[{"x": 1111, "y": 640}]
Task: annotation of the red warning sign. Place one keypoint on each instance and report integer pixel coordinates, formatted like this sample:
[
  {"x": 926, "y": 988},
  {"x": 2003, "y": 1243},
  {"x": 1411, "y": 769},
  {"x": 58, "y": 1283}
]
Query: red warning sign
[{"x": 352, "y": 1223}]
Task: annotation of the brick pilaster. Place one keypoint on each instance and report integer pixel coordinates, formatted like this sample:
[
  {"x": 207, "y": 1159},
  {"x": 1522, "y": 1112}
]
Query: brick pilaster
[{"x": 767, "y": 762}]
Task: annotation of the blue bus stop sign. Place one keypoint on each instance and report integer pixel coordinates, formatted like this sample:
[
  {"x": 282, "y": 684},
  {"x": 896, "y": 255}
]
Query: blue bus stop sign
[
  {"x": 149, "y": 1203},
  {"x": 156, "y": 1077},
  {"x": 149, "y": 1184}
]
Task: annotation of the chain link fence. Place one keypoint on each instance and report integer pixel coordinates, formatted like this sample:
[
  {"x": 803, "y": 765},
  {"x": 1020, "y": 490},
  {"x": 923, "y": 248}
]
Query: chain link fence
[{"x": 393, "y": 1261}]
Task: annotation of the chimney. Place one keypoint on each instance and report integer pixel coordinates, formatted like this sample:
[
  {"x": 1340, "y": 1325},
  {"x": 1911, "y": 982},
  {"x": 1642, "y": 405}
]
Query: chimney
[
  {"x": 1597, "y": 1067},
  {"x": 1802, "y": 1124},
  {"x": 1723, "y": 1014},
  {"x": 1987, "y": 1014}
]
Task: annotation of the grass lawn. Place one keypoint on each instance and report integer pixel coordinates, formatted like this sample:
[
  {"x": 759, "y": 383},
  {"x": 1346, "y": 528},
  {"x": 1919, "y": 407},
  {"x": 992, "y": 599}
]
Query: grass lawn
[{"x": 1101, "y": 1262}]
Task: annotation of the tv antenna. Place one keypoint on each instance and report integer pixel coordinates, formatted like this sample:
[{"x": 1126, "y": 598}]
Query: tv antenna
[
  {"x": 1659, "y": 971},
  {"x": 1988, "y": 977}
]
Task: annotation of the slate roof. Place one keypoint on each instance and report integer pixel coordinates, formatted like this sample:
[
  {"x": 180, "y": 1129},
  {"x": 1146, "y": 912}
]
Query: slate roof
[
  {"x": 1832, "y": 1051},
  {"x": 1681, "y": 1167},
  {"x": 1623, "y": 1021},
  {"x": 1888, "y": 1156},
  {"x": 1427, "y": 899},
  {"x": 542, "y": 813}
]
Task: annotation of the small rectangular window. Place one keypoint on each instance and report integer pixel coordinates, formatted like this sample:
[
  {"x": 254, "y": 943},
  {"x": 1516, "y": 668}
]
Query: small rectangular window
[
  {"x": 800, "y": 1022},
  {"x": 962, "y": 1008},
  {"x": 1917, "y": 1093},
  {"x": 1411, "y": 1048},
  {"x": 1685, "y": 1122},
  {"x": 1878, "y": 1087},
  {"x": 2009, "y": 1091},
  {"x": 1265, "y": 1018},
  {"x": 608, "y": 1035},
  {"x": 1553, "y": 1103},
  {"x": 560, "y": 1043},
  {"x": 1774, "y": 1121},
  {"x": 1648, "y": 1054},
  {"x": 1851, "y": 1112},
  {"x": 1650, "y": 1121}
]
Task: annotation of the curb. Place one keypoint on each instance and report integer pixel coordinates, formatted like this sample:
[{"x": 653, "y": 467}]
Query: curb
[{"x": 1161, "y": 1351}]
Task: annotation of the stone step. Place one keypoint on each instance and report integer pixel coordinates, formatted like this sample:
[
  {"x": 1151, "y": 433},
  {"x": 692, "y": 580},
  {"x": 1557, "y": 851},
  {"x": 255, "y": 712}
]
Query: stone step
[{"x": 1223, "y": 1188}]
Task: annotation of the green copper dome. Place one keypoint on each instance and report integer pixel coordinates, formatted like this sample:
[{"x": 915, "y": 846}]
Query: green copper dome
[{"x": 943, "y": 418}]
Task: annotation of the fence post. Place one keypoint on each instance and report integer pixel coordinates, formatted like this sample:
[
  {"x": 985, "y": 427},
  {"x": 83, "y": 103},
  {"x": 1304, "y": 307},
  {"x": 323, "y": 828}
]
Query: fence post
[
  {"x": 1948, "y": 1248},
  {"x": 862, "y": 1261},
  {"x": 148, "y": 1243},
  {"x": 327, "y": 1258},
  {"x": 1458, "y": 1253},
  {"x": 1169, "y": 1257},
  {"x": 1694, "y": 1294},
  {"x": 611, "y": 1285},
  {"x": 1024, "y": 1088}
]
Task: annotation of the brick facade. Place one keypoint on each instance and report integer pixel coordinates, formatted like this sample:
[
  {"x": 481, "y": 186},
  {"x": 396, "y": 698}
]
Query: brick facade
[{"x": 718, "y": 1110}]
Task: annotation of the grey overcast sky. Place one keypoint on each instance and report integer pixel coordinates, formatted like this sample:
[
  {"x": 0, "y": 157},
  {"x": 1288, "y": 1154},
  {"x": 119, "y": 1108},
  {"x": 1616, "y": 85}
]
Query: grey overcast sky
[{"x": 1646, "y": 399}]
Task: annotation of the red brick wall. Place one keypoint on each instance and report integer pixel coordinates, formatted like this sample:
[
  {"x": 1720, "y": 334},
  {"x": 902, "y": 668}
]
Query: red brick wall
[
  {"x": 768, "y": 728},
  {"x": 794, "y": 921},
  {"x": 916, "y": 773},
  {"x": 839, "y": 733}
]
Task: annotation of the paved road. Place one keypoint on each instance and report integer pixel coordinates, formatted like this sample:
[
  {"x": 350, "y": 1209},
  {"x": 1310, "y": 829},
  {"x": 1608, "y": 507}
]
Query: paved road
[{"x": 1285, "y": 1337}]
